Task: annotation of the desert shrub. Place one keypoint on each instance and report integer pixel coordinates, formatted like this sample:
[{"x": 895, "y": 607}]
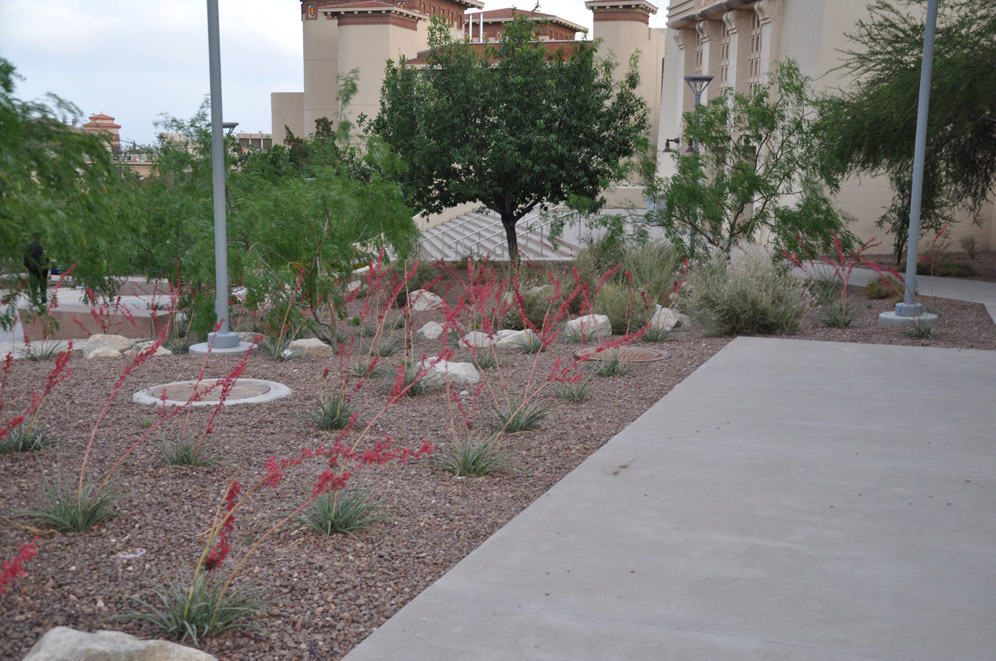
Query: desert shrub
[
  {"x": 473, "y": 457},
  {"x": 748, "y": 295},
  {"x": 623, "y": 306},
  {"x": 534, "y": 306},
  {"x": 653, "y": 265},
  {"x": 970, "y": 244},
  {"x": 516, "y": 416},
  {"x": 423, "y": 275},
  {"x": 24, "y": 438},
  {"x": 884, "y": 286},
  {"x": 342, "y": 512},
  {"x": 946, "y": 268}
]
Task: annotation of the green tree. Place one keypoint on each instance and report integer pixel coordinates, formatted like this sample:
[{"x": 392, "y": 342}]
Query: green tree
[
  {"x": 512, "y": 124},
  {"x": 319, "y": 206},
  {"x": 871, "y": 126},
  {"x": 62, "y": 183},
  {"x": 755, "y": 172}
]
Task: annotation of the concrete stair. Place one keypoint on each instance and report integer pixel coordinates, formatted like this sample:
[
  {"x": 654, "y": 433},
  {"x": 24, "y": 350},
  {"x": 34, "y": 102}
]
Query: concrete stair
[{"x": 482, "y": 235}]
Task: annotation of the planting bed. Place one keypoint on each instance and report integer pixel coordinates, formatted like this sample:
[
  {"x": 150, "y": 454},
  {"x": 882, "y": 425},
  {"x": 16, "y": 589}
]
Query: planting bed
[{"x": 328, "y": 592}]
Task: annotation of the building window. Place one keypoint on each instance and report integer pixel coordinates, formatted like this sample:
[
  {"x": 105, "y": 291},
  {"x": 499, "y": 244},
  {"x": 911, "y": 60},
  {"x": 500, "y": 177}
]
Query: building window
[
  {"x": 698, "y": 52},
  {"x": 754, "y": 68},
  {"x": 724, "y": 58}
]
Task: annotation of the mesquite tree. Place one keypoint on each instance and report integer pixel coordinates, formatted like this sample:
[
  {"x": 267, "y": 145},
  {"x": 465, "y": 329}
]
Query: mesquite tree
[{"x": 511, "y": 124}]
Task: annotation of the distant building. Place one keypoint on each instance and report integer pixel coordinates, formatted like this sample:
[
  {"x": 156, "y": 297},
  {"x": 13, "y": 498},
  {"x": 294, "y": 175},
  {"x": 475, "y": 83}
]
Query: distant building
[
  {"x": 104, "y": 124},
  {"x": 342, "y": 37},
  {"x": 738, "y": 41}
]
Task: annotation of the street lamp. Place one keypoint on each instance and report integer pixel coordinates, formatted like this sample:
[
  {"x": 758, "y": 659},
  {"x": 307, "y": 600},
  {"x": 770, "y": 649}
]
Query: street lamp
[{"x": 698, "y": 82}]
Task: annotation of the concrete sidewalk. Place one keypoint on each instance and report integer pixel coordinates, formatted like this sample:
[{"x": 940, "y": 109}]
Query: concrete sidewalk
[{"x": 788, "y": 500}]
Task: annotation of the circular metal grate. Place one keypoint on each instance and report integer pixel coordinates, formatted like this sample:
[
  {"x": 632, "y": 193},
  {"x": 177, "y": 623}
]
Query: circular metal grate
[{"x": 627, "y": 354}]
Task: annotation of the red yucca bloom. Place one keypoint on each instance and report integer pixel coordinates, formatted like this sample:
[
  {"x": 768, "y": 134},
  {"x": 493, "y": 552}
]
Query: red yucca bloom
[
  {"x": 218, "y": 554},
  {"x": 11, "y": 569}
]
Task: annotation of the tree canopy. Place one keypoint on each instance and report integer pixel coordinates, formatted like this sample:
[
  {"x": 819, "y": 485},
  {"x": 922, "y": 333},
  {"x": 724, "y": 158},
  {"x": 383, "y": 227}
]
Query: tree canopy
[
  {"x": 870, "y": 127},
  {"x": 60, "y": 182},
  {"x": 512, "y": 124},
  {"x": 755, "y": 171}
]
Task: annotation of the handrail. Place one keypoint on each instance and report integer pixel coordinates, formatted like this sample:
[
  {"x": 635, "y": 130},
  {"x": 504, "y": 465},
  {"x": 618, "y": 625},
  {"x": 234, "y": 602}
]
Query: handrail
[
  {"x": 456, "y": 241},
  {"x": 528, "y": 218},
  {"x": 450, "y": 227},
  {"x": 500, "y": 249}
]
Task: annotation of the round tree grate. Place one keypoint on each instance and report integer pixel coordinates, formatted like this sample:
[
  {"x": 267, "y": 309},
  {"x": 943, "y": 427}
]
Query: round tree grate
[
  {"x": 627, "y": 354},
  {"x": 244, "y": 391}
]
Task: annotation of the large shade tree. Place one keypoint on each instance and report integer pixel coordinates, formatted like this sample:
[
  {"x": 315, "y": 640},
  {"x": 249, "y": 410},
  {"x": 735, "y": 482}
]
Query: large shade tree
[
  {"x": 512, "y": 124},
  {"x": 871, "y": 126}
]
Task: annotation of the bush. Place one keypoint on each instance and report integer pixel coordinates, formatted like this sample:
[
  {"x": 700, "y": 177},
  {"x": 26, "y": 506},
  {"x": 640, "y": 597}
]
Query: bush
[
  {"x": 187, "y": 451},
  {"x": 24, "y": 438},
  {"x": 475, "y": 458},
  {"x": 884, "y": 286},
  {"x": 334, "y": 412},
  {"x": 623, "y": 306},
  {"x": 534, "y": 306},
  {"x": 746, "y": 296},
  {"x": 946, "y": 268},
  {"x": 653, "y": 265},
  {"x": 516, "y": 416},
  {"x": 342, "y": 512}
]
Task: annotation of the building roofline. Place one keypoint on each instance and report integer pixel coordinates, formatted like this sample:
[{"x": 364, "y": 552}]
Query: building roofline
[{"x": 641, "y": 5}]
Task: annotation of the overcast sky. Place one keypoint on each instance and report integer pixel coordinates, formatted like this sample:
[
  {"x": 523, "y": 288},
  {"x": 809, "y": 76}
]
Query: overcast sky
[{"x": 135, "y": 60}]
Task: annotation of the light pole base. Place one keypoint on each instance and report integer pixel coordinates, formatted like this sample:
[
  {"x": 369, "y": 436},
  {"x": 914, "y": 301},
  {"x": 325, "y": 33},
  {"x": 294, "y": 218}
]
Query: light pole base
[
  {"x": 221, "y": 343},
  {"x": 895, "y": 319}
]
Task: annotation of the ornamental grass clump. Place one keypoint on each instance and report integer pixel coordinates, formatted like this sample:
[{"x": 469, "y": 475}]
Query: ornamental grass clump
[
  {"x": 342, "y": 512},
  {"x": 188, "y": 451},
  {"x": 21, "y": 433},
  {"x": 474, "y": 458},
  {"x": 746, "y": 296},
  {"x": 516, "y": 415}
]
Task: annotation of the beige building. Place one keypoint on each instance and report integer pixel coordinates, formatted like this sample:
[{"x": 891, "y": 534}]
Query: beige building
[
  {"x": 342, "y": 37},
  {"x": 737, "y": 41}
]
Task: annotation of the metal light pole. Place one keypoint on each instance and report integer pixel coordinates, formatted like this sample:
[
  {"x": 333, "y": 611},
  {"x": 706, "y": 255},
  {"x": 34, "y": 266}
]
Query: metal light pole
[
  {"x": 222, "y": 338},
  {"x": 698, "y": 83},
  {"x": 909, "y": 308}
]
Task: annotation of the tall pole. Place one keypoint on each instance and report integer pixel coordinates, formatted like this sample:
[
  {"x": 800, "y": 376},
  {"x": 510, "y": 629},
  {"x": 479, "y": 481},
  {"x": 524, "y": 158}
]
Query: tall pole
[
  {"x": 222, "y": 338},
  {"x": 909, "y": 308},
  {"x": 698, "y": 83}
]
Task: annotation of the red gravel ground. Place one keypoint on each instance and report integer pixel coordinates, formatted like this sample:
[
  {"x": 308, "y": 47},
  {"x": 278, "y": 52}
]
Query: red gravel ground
[{"x": 328, "y": 592}]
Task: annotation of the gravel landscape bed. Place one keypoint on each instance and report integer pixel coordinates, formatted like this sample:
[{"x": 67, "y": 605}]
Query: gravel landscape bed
[{"x": 328, "y": 592}]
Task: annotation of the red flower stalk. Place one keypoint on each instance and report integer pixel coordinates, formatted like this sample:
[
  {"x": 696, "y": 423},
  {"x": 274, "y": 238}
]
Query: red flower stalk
[
  {"x": 217, "y": 555},
  {"x": 11, "y": 569}
]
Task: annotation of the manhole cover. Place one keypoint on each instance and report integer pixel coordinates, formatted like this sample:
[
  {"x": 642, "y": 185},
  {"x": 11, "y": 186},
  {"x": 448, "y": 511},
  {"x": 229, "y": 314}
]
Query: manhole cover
[
  {"x": 245, "y": 391},
  {"x": 627, "y": 354}
]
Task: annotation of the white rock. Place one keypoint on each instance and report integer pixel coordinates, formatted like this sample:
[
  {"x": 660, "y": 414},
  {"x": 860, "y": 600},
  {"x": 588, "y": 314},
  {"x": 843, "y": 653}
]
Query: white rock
[
  {"x": 515, "y": 339},
  {"x": 503, "y": 333},
  {"x": 541, "y": 291},
  {"x": 439, "y": 373},
  {"x": 116, "y": 342},
  {"x": 135, "y": 350},
  {"x": 477, "y": 340},
  {"x": 309, "y": 347},
  {"x": 421, "y": 300},
  {"x": 65, "y": 644},
  {"x": 590, "y": 326},
  {"x": 245, "y": 336},
  {"x": 103, "y": 352},
  {"x": 353, "y": 286},
  {"x": 431, "y": 330},
  {"x": 665, "y": 319}
]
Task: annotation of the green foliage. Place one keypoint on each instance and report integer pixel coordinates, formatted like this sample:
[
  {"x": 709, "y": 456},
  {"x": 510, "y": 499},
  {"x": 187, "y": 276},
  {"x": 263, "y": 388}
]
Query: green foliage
[
  {"x": 342, "y": 512},
  {"x": 201, "y": 608},
  {"x": 63, "y": 184},
  {"x": 473, "y": 457},
  {"x": 24, "y": 438},
  {"x": 334, "y": 412},
  {"x": 484, "y": 359},
  {"x": 511, "y": 125},
  {"x": 516, "y": 416},
  {"x": 312, "y": 209},
  {"x": 623, "y": 306},
  {"x": 825, "y": 288},
  {"x": 870, "y": 127},
  {"x": 746, "y": 296},
  {"x": 757, "y": 170},
  {"x": 574, "y": 391},
  {"x": 656, "y": 334},
  {"x": 188, "y": 451},
  {"x": 610, "y": 364},
  {"x": 364, "y": 368},
  {"x": 946, "y": 268},
  {"x": 920, "y": 331},
  {"x": 884, "y": 286},
  {"x": 835, "y": 315},
  {"x": 72, "y": 510},
  {"x": 277, "y": 347},
  {"x": 970, "y": 244},
  {"x": 530, "y": 343},
  {"x": 43, "y": 351},
  {"x": 534, "y": 306}
]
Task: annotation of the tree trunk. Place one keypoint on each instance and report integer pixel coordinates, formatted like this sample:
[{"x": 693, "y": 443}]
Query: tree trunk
[{"x": 511, "y": 240}]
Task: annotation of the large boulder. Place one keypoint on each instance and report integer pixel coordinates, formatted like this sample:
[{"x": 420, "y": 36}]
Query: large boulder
[
  {"x": 510, "y": 339},
  {"x": 116, "y": 343},
  {"x": 477, "y": 340},
  {"x": 431, "y": 330},
  {"x": 442, "y": 371},
  {"x": 65, "y": 644},
  {"x": 309, "y": 347},
  {"x": 667, "y": 319},
  {"x": 590, "y": 326},
  {"x": 421, "y": 300}
]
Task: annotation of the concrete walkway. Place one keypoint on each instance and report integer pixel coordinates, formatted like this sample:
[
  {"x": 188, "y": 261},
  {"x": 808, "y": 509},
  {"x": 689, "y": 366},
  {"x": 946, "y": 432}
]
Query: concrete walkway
[{"x": 788, "y": 500}]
